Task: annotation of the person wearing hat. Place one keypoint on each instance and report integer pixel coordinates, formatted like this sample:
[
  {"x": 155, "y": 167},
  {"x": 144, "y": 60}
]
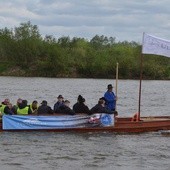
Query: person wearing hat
[
  {"x": 60, "y": 102},
  {"x": 44, "y": 108},
  {"x": 110, "y": 98},
  {"x": 80, "y": 106}
]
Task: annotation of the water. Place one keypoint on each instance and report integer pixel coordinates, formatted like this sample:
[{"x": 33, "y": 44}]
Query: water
[{"x": 42, "y": 150}]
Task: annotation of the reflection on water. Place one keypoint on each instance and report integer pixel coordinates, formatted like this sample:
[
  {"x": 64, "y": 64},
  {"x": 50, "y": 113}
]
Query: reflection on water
[{"x": 42, "y": 150}]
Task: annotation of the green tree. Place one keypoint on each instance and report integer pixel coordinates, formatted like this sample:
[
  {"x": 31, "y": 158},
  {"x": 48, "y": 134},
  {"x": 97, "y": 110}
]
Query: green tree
[{"x": 28, "y": 44}]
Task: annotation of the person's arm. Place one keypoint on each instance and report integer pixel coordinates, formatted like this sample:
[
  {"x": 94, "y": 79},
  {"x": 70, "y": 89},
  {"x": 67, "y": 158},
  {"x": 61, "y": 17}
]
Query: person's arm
[
  {"x": 55, "y": 107},
  {"x": 108, "y": 111},
  {"x": 114, "y": 97}
]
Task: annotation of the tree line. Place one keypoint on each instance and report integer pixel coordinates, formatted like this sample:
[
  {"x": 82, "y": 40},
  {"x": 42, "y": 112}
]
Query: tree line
[{"x": 25, "y": 52}]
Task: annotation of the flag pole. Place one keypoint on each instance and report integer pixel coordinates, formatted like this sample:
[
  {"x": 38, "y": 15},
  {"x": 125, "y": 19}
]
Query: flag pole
[
  {"x": 116, "y": 88},
  {"x": 140, "y": 83},
  {"x": 140, "y": 86}
]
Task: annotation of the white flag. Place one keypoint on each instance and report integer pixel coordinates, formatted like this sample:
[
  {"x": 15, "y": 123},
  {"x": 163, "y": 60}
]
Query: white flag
[{"x": 154, "y": 45}]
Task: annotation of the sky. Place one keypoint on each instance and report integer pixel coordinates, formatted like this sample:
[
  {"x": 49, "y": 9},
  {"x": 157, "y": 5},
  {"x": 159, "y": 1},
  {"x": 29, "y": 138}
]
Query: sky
[{"x": 126, "y": 20}]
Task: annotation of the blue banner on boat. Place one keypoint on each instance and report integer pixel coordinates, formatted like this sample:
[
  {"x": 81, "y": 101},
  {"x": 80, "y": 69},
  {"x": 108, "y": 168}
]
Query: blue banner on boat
[{"x": 18, "y": 122}]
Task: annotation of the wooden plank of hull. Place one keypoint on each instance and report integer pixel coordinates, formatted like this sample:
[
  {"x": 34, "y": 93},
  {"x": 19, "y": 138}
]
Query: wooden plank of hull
[{"x": 122, "y": 125}]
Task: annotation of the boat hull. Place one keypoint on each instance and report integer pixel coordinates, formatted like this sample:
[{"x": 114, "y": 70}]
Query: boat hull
[{"x": 121, "y": 125}]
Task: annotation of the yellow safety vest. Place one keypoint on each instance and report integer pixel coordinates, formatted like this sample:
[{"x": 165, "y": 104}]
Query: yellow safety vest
[
  {"x": 2, "y": 107},
  {"x": 23, "y": 111}
]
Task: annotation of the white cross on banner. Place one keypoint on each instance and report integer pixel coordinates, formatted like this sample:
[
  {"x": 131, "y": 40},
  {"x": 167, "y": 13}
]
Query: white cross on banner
[{"x": 154, "y": 45}]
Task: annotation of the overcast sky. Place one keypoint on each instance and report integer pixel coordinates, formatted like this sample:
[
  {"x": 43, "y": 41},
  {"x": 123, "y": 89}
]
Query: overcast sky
[{"x": 122, "y": 19}]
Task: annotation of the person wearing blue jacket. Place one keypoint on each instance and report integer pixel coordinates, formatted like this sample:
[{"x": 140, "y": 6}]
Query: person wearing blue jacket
[{"x": 110, "y": 98}]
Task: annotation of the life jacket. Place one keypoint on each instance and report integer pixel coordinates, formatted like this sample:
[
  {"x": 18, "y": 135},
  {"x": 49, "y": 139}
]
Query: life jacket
[
  {"x": 2, "y": 107},
  {"x": 23, "y": 111}
]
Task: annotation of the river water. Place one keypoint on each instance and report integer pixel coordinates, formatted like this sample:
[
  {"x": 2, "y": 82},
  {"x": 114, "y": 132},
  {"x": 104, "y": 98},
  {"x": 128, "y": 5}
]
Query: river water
[{"x": 108, "y": 151}]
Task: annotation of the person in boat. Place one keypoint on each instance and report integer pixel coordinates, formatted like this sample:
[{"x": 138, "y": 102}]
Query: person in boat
[
  {"x": 23, "y": 108},
  {"x": 34, "y": 107},
  {"x": 7, "y": 109},
  {"x": 80, "y": 106},
  {"x": 101, "y": 107},
  {"x": 110, "y": 98},
  {"x": 15, "y": 107},
  {"x": 5, "y": 102},
  {"x": 44, "y": 108},
  {"x": 60, "y": 102},
  {"x": 3, "y": 105},
  {"x": 65, "y": 108}
]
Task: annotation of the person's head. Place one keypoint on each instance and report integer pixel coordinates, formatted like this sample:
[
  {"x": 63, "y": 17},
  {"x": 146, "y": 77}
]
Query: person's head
[
  {"x": 34, "y": 104},
  {"x": 6, "y": 101},
  {"x": 109, "y": 87},
  {"x": 44, "y": 103},
  {"x": 19, "y": 101},
  {"x": 24, "y": 102},
  {"x": 67, "y": 103},
  {"x": 101, "y": 101},
  {"x": 80, "y": 99},
  {"x": 60, "y": 98}
]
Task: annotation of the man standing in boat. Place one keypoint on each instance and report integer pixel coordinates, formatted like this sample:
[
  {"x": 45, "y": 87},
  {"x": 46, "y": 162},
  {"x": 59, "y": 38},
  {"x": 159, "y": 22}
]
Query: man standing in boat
[{"x": 110, "y": 98}]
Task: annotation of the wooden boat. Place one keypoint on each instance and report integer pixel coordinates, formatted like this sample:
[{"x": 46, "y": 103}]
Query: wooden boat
[
  {"x": 134, "y": 124},
  {"x": 121, "y": 125}
]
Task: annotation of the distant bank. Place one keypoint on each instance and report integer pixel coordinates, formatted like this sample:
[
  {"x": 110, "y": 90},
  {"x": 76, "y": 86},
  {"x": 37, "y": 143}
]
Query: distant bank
[
  {"x": 18, "y": 72},
  {"x": 24, "y": 52}
]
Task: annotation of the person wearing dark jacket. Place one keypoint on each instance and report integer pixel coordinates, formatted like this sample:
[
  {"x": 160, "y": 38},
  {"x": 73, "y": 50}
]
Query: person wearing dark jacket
[
  {"x": 59, "y": 103},
  {"x": 80, "y": 106},
  {"x": 44, "y": 108},
  {"x": 100, "y": 107},
  {"x": 66, "y": 108},
  {"x": 8, "y": 109}
]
